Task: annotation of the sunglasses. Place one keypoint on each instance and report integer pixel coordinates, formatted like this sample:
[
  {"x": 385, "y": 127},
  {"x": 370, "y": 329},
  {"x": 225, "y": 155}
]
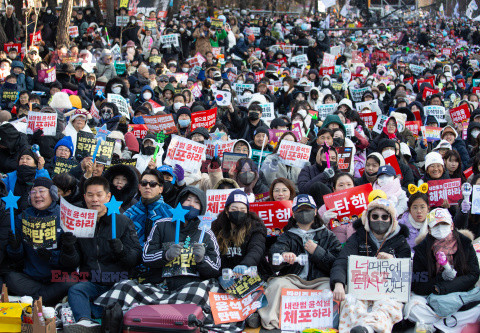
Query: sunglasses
[
  {"x": 384, "y": 217},
  {"x": 163, "y": 81},
  {"x": 152, "y": 184}
]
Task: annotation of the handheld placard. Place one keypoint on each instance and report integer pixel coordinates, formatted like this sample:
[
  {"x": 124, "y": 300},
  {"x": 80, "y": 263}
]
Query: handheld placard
[{"x": 101, "y": 135}]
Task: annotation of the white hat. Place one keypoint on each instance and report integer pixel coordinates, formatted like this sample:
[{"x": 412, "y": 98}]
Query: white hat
[
  {"x": 437, "y": 216},
  {"x": 346, "y": 102},
  {"x": 61, "y": 101},
  {"x": 443, "y": 144},
  {"x": 433, "y": 158},
  {"x": 404, "y": 149}
]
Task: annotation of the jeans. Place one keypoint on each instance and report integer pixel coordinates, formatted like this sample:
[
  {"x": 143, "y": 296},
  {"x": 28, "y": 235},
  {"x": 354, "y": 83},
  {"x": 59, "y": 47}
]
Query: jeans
[{"x": 81, "y": 297}]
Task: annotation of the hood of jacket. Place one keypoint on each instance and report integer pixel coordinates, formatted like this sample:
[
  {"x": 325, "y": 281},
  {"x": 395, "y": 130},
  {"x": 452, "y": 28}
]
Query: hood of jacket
[
  {"x": 115, "y": 81},
  {"x": 130, "y": 189},
  {"x": 195, "y": 191},
  {"x": 9, "y": 137}
]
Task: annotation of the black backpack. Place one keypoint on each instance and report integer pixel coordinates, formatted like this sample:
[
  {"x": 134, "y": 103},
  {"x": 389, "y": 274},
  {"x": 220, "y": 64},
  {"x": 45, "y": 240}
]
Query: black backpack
[{"x": 112, "y": 319}]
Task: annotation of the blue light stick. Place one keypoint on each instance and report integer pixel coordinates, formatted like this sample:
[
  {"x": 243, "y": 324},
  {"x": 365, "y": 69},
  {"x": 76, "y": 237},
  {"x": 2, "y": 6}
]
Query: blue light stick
[{"x": 11, "y": 203}]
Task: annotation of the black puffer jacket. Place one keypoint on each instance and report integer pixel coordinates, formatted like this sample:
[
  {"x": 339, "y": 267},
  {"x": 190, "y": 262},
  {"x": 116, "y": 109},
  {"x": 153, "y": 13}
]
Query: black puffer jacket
[
  {"x": 361, "y": 244},
  {"x": 127, "y": 194},
  {"x": 12, "y": 142}
]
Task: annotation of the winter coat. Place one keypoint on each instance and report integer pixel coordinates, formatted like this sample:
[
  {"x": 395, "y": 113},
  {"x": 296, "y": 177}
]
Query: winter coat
[
  {"x": 243, "y": 127},
  {"x": 202, "y": 43},
  {"x": 309, "y": 175},
  {"x": 14, "y": 141},
  {"x": 127, "y": 194},
  {"x": 103, "y": 69},
  {"x": 274, "y": 168}
]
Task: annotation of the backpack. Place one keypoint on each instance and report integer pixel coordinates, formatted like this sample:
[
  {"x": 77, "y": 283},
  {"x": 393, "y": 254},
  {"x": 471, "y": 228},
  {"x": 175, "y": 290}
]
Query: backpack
[{"x": 112, "y": 319}]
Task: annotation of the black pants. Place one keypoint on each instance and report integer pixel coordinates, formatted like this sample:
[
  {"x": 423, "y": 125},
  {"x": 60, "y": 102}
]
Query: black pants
[{"x": 21, "y": 284}]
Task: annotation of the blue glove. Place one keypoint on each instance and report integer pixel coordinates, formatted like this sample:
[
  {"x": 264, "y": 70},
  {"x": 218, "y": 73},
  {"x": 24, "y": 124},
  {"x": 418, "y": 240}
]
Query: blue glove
[
  {"x": 240, "y": 269},
  {"x": 179, "y": 173}
]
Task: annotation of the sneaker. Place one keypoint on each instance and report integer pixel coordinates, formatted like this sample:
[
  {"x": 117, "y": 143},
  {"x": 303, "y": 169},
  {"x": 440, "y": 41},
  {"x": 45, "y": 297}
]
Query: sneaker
[{"x": 84, "y": 326}]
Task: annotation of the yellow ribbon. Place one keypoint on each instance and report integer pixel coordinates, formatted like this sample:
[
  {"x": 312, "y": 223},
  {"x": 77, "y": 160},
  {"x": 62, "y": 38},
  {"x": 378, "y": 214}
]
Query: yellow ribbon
[{"x": 412, "y": 189}]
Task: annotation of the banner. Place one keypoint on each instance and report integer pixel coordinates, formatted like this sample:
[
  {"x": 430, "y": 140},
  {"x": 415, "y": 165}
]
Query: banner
[
  {"x": 460, "y": 114},
  {"x": 206, "y": 119},
  {"x": 139, "y": 130},
  {"x": 268, "y": 111},
  {"x": 222, "y": 146},
  {"x": 369, "y": 118},
  {"x": 241, "y": 87},
  {"x": 73, "y": 31},
  {"x": 344, "y": 158},
  {"x": 159, "y": 123},
  {"x": 439, "y": 190},
  {"x": 39, "y": 232},
  {"x": 63, "y": 165},
  {"x": 121, "y": 104},
  {"x": 44, "y": 121},
  {"x": 374, "y": 279},
  {"x": 16, "y": 46},
  {"x": 349, "y": 204},
  {"x": 47, "y": 75},
  {"x": 435, "y": 110},
  {"x": 275, "y": 214},
  {"x": 294, "y": 154},
  {"x": 229, "y": 309},
  {"x": 326, "y": 71},
  {"x": 187, "y": 153},
  {"x": 80, "y": 222},
  {"x": 170, "y": 40},
  {"x": 325, "y": 109},
  {"x": 431, "y": 133},
  {"x": 230, "y": 159},
  {"x": 216, "y": 200}
]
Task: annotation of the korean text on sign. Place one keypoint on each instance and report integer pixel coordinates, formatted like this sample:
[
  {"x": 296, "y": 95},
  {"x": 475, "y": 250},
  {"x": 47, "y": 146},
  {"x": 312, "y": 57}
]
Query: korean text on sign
[
  {"x": 348, "y": 203},
  {"x": 444, "y": 189},
  {"x": 294, "y": 154},
  {"x": 187, "y": 153},
  {"x": 274, "y": 214},
  {"x": 79, "y": 221},
  {"x": 44, "y": 121},
  {"x": 228, "y": 309},
  {"x": 39, "y": 232},
  {"x": 216, "y": 200}
]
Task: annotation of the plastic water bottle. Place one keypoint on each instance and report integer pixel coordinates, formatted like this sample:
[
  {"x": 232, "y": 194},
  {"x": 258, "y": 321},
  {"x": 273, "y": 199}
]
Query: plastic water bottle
[
  {"x": 67, "y": 315},
  {"x": 420, "y": 327}
]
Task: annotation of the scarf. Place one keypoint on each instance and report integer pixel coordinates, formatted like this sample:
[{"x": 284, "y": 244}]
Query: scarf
[
  {"x": 371, "y": 179},
  {"x": 421, "y": 227},
  {"x": 448, "y": 245}
]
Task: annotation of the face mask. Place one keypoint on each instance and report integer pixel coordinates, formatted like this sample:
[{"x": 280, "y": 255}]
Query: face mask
[
  {"x": 177, "y": 105},
  {"x": 379, "y": 227},
  {"x": 369, "y": 82},
  {"x": 253, "y": 116},
  {"x": 147, "y": 95},
  {"x": 475, "y": 104},
  {"x": 326, "y": 82},
  {"x": 237, "y": 217},
  {"x": 150, "y": 150},
  {"x": 133, "y": 21},
  {"x": 384, "y": 180},
  {"x": 346, "y": 77},
  {"x": 184, "y": 69},
  {"x": 192, "y": 212},
  {"x": 184, "y": 123},
  {"x": 475, "y": 133},
  {"x": 305, "y": 216},
  {"x": 246, "y": 178},
  {"x": 441, "y": 231},
  {"x": 443, "y": 80},
  {"x": 337, "y": 142},
  {"x": 286, "y": 88},
  {"x": 49, "y": 11}
]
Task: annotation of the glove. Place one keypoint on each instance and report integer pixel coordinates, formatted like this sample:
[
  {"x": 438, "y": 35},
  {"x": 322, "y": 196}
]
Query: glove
[
  {"x": 215, "y": 164},
  {"x": 330, "y": 214},
  {"x": 44, "y": 254},
  {"x": 179, "y": 173},
  {"x": 354, "y": 139},
  {"x": 173, "y": 252},
  {"x": 37, "y": 135},
  {"x": 240, "y": 269},
  {"x": 116, "y": 245},
  {"x": 68, "y": 242},
  {"x": 465, "y": 206},
  {"x": 449, "y": 274},
  {"x": 198, "y": 252},
  {"x": 14, "y": 240}
]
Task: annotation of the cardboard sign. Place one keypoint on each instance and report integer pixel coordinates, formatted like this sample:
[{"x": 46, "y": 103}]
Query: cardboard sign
[
  {"x": 230, "y": 160},
  {"x": 301, "y": 309},
  {"x": 44, "y": 121},
  {"x": 294, "y": 154},
  {"x": 47, "y": 75},
  {"x": 374, "y": 279},
  {"x": 79, "y": 221},
  {"x": 378, "y": 127},
  {"x": 431, "y": 133},
  {"x": 344, "y": 158},
  {"x": 229, "y": 309},
  {"x": 349, "y": 204},
  {"x": 460, "y": 114},
  {"x": 187, "y": 153},
  {"x": 16, "y": 46},
  {"x": 414, "y": 127},
  {"x": 241, "y": 87},
  {"x": 139, "y": 130},
  {"x": 222, "y": 146},
  {"x": 475, "y": 199},
  {"x": 206, "y": 119},
  {"x": 182, "y": 265},
  {"x": 121, "y": 104},
  {"x": 326, "y": 109},
  {"x": 63, "y": 165},
  {"x": 326, "y": 71},
  {"x": 439, "y": 190},
  {"x": 39, "y": 232},
  {"x": 73, "y": 31},
  {"x": 373, "y": 105},
  {"x": 36, "y": 38},
  {"x": 268, "y": 111},
  {"x": 216, "y": 200},
  {"x": 160, "y": 123},
  {"x": 169, "y": 40},
  {"x": 357, "y": 94},
  {"x": 274, "y": 214},
  {"x": 369, "y": 118}
]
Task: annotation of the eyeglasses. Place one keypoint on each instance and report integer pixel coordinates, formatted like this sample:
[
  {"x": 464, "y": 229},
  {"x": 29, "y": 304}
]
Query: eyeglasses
[
  {"x": 152, "y": 184},
  {"x": 35, "y": 192},
  {"x": 384, "y": 217}
]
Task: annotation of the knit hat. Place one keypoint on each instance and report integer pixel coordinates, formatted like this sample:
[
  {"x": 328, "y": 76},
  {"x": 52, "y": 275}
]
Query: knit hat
[
  {"x": 303, "y": 200},
  {"x": 387, "y": 206},
  {"x": 131, "y": 142},
  {"x": 432, "y": 158},
  {"x": 347, "y": 103},
  {"x": 184, "y": 110},
  {"x": 66, "y": 141},
  {"x": 237, "y": 196},
  {"x": 401, "y": 118},
  {"x": 378, "y": 156},
  {"x": 262, "y": 129},
  {"x": 28, "y": 151},
  {"x": 199, "y": 130},
  {"x": 448, "y": 129},
  {"x": 43, "y": 181}
]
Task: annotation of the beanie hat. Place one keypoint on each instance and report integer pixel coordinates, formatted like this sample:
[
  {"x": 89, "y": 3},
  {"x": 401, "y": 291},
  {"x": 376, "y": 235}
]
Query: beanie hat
[
  {"x": 43, "y": 181},
  {"x": 387, "y": 206},
  {"x": 237, "y": 196},
  {"x": 184, "y": 110},
  {"x": 379, "y": 157},
  {"x": 28, "y": 151},
  {"x": 61, "y": 101},
  {"x": 131, "y": 142},
  {"x": 432, "y": 158},
  {"x": 262, "y": 129},
  {"x": 199, "y": 130},
  {"x": 66, "y": 141},
  {"x": 76, "y": 101},
  {"x": 401, "y": 118}
]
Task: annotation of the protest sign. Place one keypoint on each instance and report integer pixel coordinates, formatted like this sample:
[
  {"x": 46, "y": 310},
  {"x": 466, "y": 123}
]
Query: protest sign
[
  {"x": 375, "y": 279},
  {"x": 124, "y": 161},
  {"x": 48, "y": 75},
  {"x": 160, "y": 123},
  {"x": 206, "y": 118},
  {"x": 378, "y": 127},
  {"x": 105, "y": 151},
  {"x": 171, "y": 40},
  {"x": 369, "y": 118},
  {"x": 373, "y": 105},
  {"x": 196, "y": 91},
  {"x": 222, "y": 146},
  {"x": 441, "y": 189},
  {"x": 356, "y": 94},
  {"x": 294, "y": 154},
  {"x": 39, "y": 232},
  {"x": 435, "y": 110},
  {"x": 150, "y": 24},
  {"x": 431, "y": 133},
  {"x": 73, "y": 31},
  {"x": 274, "y": 214},
  {"x": 16, "y": 46},
  {"x": 216, "y": 200},
  {"x": 9, "y": 95},
  {"x": 223, "y": 97},
  {"x": 460, "y": 114},
  {"x": 122, "y": 21},
  {"x": 416, "y": 70},
  {"x": 229, "y": 309},
  {"x": 241, "y": 87},
  {"x": 120, "y": 67},
  {"x": 476, "y": 199},
  {"x": 429, "y": 92},
  {"x": 259, "y": 75},
  {"x": 36, "y": 38},
  {"x": 344, "y": 158},
  {"x": 139, "y": 130},
  {"x": 86, "y": 144},
  {"x": 187, "y": 153},
  {"x": 44, "y": 121},
  {"x": 414, "y": 127},
  {"x": 326, "y": 71},
  {"x": 256, "y": 155},
  {"x": 468, "y": 172},
  {"x": 262, "y": 197},
  {"x": 275, "y": 135},
  {"x": 328, "y": 60},
  {"x": 230, "y": 160},
  {"x": 357, "y": 57},
  {"x": 431, "y": 82},
  {"x": 301, "y": 309},
  {"x": 79, "y": 221},
  {"x": 195, "y": 61},
  {"x": 349, "y": 204},
  {"x": 182, "y": 265},
  {"x": 63, "y": 165},
  {"x": 121, "y": 104},
  {"x": 393, "y": 162},
  {"x": 300, "y": 60},
  {"x": 268, "y": 111},
  {"x": 325, "y": 109}
]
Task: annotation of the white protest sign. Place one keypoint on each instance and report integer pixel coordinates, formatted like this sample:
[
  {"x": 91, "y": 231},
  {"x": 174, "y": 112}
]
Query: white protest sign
[
  {"x": 171, "y": 39},
  {"x": 378, "y": 127},
  {"x": 294, "y": 154},
  {"x": 241, "y": 87},
  {"x": 268, "y": 112},
  {"x": 222, "y": 146},
  {"x": 373, "y": 104},
  {"x": 255, "y": 31},
  {"x": 435, "y": 110},
  {"x": 476, "y": 199},
  {"x": 350, "y": 130},
  {"x": 329, "y": 3},
  {"x": 47, "y": 122},
  {"x": 216, "y": 200},
  {"x": 223, "y": 97},
  {"x": 416, "y": 70},
  {"x": 325, "y": 109},
  {"x": 121, "y": 104},
  {"x": 122, "y": 21},
  {"x": 300, "y": 60},
  {"x": 73, "y": 31},
  {"x": 374, "y": 279},
  {"x": 79, "y": 221},
  {"x": 328, "y": 60},
  {"x": 335, "y": 50},
  {"x": 243, "y": 100},
  {"x": 187, "y": 153},
  {"x": 358, "y": 93}
]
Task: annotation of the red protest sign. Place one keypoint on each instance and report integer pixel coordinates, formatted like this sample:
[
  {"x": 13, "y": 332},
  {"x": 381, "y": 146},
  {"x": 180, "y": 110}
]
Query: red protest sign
[
  {"x": 461, "y": 83},
  {"x": 348, "y": 203},
  {"x": 73, "y": 31},
  {"x": 206, "y": 118},
  {"x": 430, "y": 81},
  {"x": 36, "y": 38},
  {"x": 222, "y": 146},
  {"x": 162, "y": 14},
  {"x": 216, "y": 200},
  {"x": 417, "y": 115},
  {"x": 275, "y": 214},
  {"x": 476, "y": 90},
  {"x": 369, "y": 118},
  {"x": 414, "y": 127},
  {"x": 48, "y": 75},
  {"x": 460, "y": 114},
  {"x": 467, "y": 173},
  {"x": 429, "y": 92},
  {"x": 326, "y": 71},
  {"x": 392, "y": 161},
  {"x": 160, "y": 123},
  {"x": 439, "y": 190},
  {"x": 16, "y": 46},
  {"x": 357, "y": 57},
  {"x": 139, "y": 130},
  {"x": 447, "y": 52},
  {"x": 259, "y": 75},
  {"x": 229, "y": 309}
]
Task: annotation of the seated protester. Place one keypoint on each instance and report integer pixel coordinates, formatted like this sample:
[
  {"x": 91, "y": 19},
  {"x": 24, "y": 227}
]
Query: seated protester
[
  {"x": 453, "y": 164},
  {"x": 173, "y": 183},
  {"x": 389, "y": 182},
  {"x": 147, "y": 151},
  {"x": 63, "y": 149},
  {"x": 12, "y": 144},
  {"x": 39, "y": 263},
  {"x": 261, "y": 138},
  {"x": 151, "y": 207},
  {"x": 184, "y": 121},
  {"x": 464, "y": 219},
  {"x": 324, "y": 135},
  {"x": 377, "y": 234},
  {"x": 242, "y": 147},
  {"x": 282, "y": 189},
  {"x": 391, "y": 147},
  {"x": 305, "y": 233},
  {"x": 67, "y": 186},
  {"x": 20, "y": 181},
  {"x": 76, "y": 123},
  {"x": 435, "y": 170},
  {"x": 89, "y": 170},
  {"x": 311, "y": 174},
  {"x": 101, "y": 254},
  {"x": 443, "y": 244},
  {"x": 442, "y": 147},
  {"x": 389, "y": 132},
  {"x": 273, "y": 166},
  {"x": 339, "y": 140},
  {"x": 451, "y": 136},
  {"x": 247, "y": 175},
  {"x": 373, "y": 163},
  {"x": 123, "y": 183},
  {"x": 414, "y": 218}
]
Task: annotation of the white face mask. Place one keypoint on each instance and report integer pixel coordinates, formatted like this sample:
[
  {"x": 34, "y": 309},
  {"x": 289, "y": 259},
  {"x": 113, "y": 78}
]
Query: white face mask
[
  {"x": 177, "y": 105},
  {"x": 440, "y": 231},
  {"x": 346, "y": 77},
  {"x": 384, "y": 180},
  {"x": 184, "y": 69},
  {"x": 133, "y": 21},
  {"x": 475, "y": 133},
  {"x": 147, "y": 95},
  {"x": 116, "y": 90},
  {"x": 286, "y": 87},
  {"x": 326, "y": 82},
  {"x": 388, "y": 153},
  {"x": 475, "y": 104}
]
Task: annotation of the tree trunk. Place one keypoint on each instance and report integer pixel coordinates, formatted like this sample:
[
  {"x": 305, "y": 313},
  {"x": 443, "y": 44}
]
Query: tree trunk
[
  {"x": 3, "y": 37},
  {"x": 110, "y": 13},
  {"x": 175, "y": 9},
  {"x": 64, "y": 23},
  {"x": 210, "y": 7},
  {"x": 52, "y": 3},
  {"x": 98, "y": 11}
]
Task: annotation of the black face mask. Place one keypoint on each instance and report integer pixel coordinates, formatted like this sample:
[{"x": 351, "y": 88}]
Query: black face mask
[
  {"x": 247, "y": 177},
  {"x": 26, "y": 173},
  {"x": 253, "y": 116},
  {"x": 150, "y": 150},
  {"x": 305, "y": 216},
  {"x": 338, "y": 142},
  {"x": 237, "y": 217},
  {"x": 382, "y": 88},
  {"x": 379, "y": 227}
]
